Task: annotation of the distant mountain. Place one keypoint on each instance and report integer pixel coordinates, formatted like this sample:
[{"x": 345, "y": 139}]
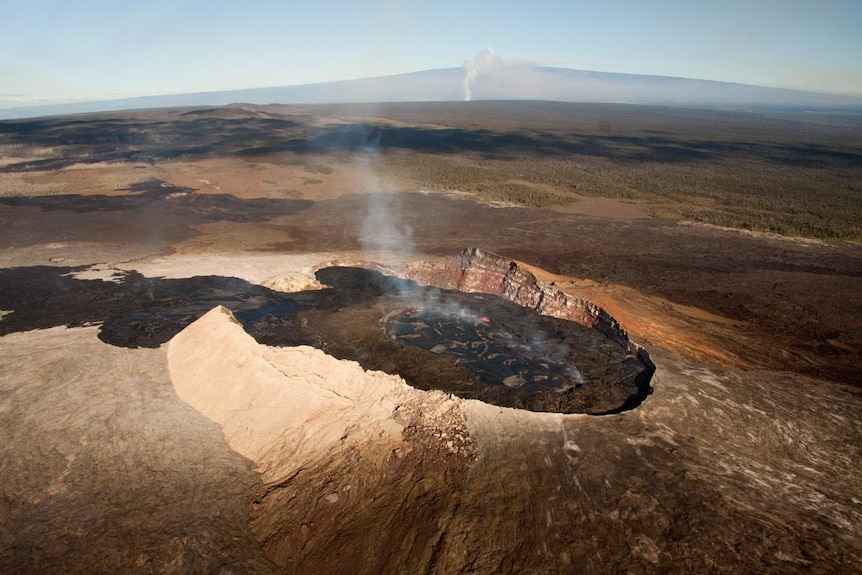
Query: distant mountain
[{"x": 497, "y": 82}]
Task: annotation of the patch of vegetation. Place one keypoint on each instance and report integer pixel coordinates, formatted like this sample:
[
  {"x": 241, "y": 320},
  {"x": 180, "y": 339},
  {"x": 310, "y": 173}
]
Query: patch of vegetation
[
  {"x": 294, "y": 194},
  {"x": 766, "y": 178},
  {"x": 812, "y": 225},
  {"x": 791, "y": 173},
  {"x": 311, "y": 181},
  {"x": 524, "y": 195},
  {"x": 318, "y": 169},
  {"x": 268, "y": 155}
]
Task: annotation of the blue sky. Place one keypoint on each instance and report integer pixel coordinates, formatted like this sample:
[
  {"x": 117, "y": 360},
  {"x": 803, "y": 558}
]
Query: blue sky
[{"x": 53, "y": 51}]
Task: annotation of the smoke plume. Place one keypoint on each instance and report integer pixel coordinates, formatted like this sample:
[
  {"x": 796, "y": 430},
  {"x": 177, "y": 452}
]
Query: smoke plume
[
  {"x": 383, "y": 231},
  {"x": 482, "y": 61}
]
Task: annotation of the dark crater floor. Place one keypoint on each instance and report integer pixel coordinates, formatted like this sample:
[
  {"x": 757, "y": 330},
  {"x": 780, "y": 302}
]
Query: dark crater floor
[{"x": 472, "y": 345}]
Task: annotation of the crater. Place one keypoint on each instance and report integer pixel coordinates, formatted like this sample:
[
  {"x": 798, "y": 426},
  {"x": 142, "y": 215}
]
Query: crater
[
  {"x": 494, "y": 334},
  {"x": 474, "y": 344}
]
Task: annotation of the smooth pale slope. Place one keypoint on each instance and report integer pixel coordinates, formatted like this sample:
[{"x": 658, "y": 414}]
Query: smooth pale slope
[
  {"x": 500, "y": 82},
  {"x": 281, "y": 407}
]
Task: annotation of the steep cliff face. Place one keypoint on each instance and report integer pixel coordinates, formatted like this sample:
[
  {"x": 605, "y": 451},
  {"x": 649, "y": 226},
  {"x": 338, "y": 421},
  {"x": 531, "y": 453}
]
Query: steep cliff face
[
  {"x": 487, "y": 272},
  {"x": 477, "y": 270}
]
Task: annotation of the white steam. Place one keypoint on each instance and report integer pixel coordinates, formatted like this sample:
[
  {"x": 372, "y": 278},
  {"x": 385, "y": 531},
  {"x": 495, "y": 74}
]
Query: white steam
[
  {"x": 382, "y": 229},
  {"x": 484, "y": 60}
]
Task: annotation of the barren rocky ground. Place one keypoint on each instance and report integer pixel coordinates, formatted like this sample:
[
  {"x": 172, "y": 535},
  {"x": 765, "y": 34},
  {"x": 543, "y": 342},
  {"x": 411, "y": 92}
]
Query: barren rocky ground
[{"x": 204, "y": 450}]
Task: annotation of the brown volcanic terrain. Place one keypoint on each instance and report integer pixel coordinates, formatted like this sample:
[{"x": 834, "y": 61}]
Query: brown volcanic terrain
[{"x": 213, "y": 452}]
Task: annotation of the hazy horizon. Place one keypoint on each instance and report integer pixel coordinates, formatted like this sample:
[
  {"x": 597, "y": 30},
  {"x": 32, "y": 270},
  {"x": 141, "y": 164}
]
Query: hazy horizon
[
  {"x": 54, "y": 52},
  {"x": 484, "y": 78}
]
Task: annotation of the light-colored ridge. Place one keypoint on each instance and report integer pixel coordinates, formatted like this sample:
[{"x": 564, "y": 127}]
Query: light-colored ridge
[{"x": 280, "y": 406}]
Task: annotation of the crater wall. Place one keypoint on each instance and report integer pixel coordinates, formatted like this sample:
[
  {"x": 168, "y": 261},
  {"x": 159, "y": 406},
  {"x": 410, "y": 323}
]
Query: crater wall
[{"x": 477, "y": 270}]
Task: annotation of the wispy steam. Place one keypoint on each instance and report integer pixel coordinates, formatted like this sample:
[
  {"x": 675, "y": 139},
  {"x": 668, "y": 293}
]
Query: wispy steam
[
  {"x": 482, "y": 61},
  {"x": 382, "y": 229}
]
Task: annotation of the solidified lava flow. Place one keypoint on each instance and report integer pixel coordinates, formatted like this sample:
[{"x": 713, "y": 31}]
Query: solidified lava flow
[
  {"x": 497, "y": 352},
  {"x": 473, "y": 345},
  {"x": 484, "y": 347}
]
